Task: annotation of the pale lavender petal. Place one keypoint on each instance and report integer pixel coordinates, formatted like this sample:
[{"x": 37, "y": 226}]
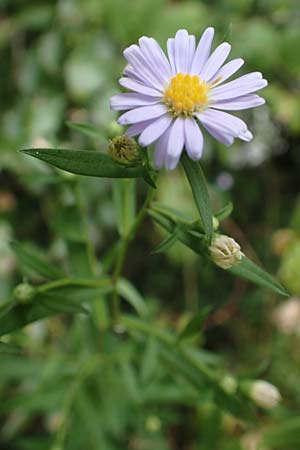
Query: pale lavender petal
[
  {"x": 193, "y": 139},
  {"x": 191, "y": 52},
  {"x": 143, "y": 113},
  {"x": 239, "y": 103},
  {"x": 131, "y": 100},
  {"x": 161, "y": 149},
  {"x": 202, "y": 52},
  {"x": 181, "y": 48},
  {"x": 233, "y": 125},
  {"x": 175, "y": 143},
  {"x": 226, "y": 71},
  {"x": 131, "y": 73},
  {"x": 139, "y": 87},
  {"x": 135, "y": 57},
  {"x": 137, "y": 128},
  {"x": 171, "y": 54},
  {"x": 246, "y": 136},
  {"x": 154, "y": 53},
  {"x": 218, "y": 133},
  {"x": 223, "y": 126},
  {"x": 215, "y": 61},
  {"x": 241, "y": 86},
  {"x": 155, "y": 130}
]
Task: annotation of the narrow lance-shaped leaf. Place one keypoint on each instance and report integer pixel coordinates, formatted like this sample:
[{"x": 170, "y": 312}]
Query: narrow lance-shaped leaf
[
  {"x": 224, "y": 212},
  {"x": 34, "y": 262},
  {"x": 84, "y": 162},
  {"x": 198, "y": 185},
  {"x": 167, "y": 243},
  {"x": 194, "y": 326},
  {"x": 250, "y": 271},
  {"x": 126, "y": 290}
]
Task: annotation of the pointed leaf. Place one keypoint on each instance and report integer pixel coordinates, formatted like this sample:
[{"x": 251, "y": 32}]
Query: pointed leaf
[
  {"x": 34, "y": 262},
  {"x": 167, "y": 243},
  {"x": 84, "y": 162},
  {"x": 250, "y": 271},
  {"x": 133, "y": 297},
  {"x": 224, "y": 212},
  {"x": 198, "y": 185},
  {"x": 195, "y": 325}
]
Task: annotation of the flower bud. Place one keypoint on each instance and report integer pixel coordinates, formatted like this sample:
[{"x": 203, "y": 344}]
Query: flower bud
[
  {"x": 263, "y": 393},
  {"x": 113, "y": 128},
  {"x": 153, "y": 424},
  {"x": 229, "y": 384},
  {"x": 124, "y": 150},
  {"x": 24, "y": 293},
  {"x": 225, "y": 251},
  {"x": 286, "y": 317},
  {"x": 252, "y": 441}
]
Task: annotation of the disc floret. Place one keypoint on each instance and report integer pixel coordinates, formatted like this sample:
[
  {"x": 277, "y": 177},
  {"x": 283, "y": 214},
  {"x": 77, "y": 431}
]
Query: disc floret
[{"x": 186, "y": 94}]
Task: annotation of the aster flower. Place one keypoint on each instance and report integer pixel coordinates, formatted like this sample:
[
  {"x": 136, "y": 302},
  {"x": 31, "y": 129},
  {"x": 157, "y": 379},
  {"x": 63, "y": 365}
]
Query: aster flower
[{"x": 172, "y": 97}]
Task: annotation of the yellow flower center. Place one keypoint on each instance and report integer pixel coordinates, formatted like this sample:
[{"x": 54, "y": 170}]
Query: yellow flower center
[{"x": 186, "y": 94}]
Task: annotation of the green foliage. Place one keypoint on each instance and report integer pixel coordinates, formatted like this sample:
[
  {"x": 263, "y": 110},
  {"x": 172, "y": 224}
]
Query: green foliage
[{"x": 166, "y": 373}]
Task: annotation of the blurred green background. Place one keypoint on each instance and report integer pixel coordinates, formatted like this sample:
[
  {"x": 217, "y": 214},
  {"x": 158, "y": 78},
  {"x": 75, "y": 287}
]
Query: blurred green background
[{"x": 66, "y": 385}]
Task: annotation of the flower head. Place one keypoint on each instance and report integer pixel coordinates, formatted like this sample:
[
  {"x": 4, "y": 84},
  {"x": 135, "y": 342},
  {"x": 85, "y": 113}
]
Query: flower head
[
  {"x": 263, "y": 393},
  {"x": 225, "y": 251},
  {"x": 171, "y": 96}
]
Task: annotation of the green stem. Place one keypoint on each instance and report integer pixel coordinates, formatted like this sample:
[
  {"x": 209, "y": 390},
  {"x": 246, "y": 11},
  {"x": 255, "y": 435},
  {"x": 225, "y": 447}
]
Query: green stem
[
  {"x": 124, "y": 244},
  {"x": 70, "y": 282},
  {"x": 85, "y": 224}
]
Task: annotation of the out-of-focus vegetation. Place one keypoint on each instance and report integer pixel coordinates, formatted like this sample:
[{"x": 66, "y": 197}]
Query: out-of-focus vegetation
[{"x": 67, "y": 382}]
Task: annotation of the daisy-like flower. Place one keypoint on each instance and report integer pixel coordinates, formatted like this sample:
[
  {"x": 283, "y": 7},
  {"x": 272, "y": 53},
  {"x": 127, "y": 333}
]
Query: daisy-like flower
[{"x": 172, "y": 97}]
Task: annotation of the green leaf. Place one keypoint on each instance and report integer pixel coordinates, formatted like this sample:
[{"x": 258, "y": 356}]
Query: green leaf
[
  {"x": 84, "y": 162},
  {"x": 250, "y": 271},
  {"x": 85, "y": 128},
  {"x": 173, "y": 214},
  {"x": 224, "y": 212},
  {"x": 10, "y": 349},
  {"x": 78, "y": 259},
  {"x": 194, "y": 326},
  {"x": 167, "y": 242},
  {"x": 149, "y": 360},
  {"x": 198, "y": 185},
  {"x": 31, "y": 260},
  {"x": 65, "y": 295},
  {"x": 67, "y": 223},
  {"x": 126, "y": 290},
  {"x": 285, "y": 434}
]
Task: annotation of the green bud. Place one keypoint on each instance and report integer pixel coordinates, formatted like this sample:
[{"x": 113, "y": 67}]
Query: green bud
[
  {"x": 124, "y": 150},
  {"x": 229, "y": 384},
  {"x": 24, "y": 293},
  {"x": 113, "y": 129}
]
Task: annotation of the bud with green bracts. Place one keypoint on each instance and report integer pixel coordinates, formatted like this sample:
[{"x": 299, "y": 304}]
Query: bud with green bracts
[{"x": 124, "y": 150}]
